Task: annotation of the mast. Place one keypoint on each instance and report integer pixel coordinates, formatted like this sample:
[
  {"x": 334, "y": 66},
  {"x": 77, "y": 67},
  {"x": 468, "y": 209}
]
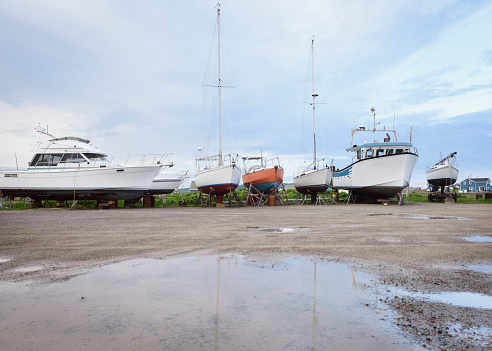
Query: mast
[
  {"x": 314, "y": 97},
  {"x": 218, "y": 86}
]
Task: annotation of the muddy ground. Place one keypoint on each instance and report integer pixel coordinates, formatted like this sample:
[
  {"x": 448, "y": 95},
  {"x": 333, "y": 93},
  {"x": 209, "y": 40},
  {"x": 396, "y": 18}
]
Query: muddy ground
[{"x": 418, "y": 246}]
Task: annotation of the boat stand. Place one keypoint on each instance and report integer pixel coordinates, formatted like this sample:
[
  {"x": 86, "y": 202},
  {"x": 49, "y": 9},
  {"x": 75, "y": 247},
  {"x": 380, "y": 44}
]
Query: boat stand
[
  {"x": 349, "y": 198},
  {"x": 321, "y": 199},
  {"x": 325, "y": 200},
  {"x": 203, "y": 200},
  {"x": 255, "y": 197},
  {"x": 281, "y": 196},
  {"x": 233, "y": 199},
  {"x": 442, "y": 194}
]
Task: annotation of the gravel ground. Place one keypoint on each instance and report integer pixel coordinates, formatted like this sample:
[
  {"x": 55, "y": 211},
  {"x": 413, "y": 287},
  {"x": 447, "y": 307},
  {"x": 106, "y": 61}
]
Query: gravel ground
[{"x": 418, "y": 246}]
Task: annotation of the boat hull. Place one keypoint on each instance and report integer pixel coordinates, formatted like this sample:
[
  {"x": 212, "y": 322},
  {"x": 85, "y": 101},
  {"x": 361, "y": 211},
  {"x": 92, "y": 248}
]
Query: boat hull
[
  {"x": 119, "y": 183},
  {"x": 165, "y": 185},
  {"x": 377, "y": 177},
  {"x": 218, "y": 180},
  {"x": 264, "y": 180},
  {"x": 442, "y": 176},
  {"x": 314, "y": 182}
]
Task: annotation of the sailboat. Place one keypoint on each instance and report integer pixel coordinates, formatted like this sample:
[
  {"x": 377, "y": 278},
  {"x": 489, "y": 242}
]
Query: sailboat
[
  {"x": 261, "y": 174},
  {"x": 217, "y": 174},
  {"x": 443, "y": 173},
  {"x": 313, "y": 179}
]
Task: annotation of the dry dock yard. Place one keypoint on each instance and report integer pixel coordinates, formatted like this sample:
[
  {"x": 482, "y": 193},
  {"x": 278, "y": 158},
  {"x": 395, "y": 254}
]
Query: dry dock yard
[{"x": 345, "y": 276}]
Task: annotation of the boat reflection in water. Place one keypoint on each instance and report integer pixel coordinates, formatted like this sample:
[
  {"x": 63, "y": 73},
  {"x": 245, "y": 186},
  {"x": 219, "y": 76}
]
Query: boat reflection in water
[{"x": 200, "y": 303}]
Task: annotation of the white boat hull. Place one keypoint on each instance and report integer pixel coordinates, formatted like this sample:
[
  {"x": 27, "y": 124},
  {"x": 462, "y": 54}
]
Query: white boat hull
[
  {"x": 313, "y": 182},
  {"x": 118, "y": 183},
  {"x": 165, "y": 185},
  {"x": 377, "y": 177},
  {"x": 218, "y": 180},
  {"x": 442, "y": 175}
]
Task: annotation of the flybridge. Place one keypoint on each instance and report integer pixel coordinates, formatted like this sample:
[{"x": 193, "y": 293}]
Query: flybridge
[{"x": 86, "y": 141}]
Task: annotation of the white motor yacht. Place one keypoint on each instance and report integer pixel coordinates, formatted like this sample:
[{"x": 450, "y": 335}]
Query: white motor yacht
[{"x": 70, "y": 168}]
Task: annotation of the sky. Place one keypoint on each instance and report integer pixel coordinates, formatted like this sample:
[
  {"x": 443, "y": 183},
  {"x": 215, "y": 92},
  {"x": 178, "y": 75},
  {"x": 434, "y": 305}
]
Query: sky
[{"x": 133, "y": 77}]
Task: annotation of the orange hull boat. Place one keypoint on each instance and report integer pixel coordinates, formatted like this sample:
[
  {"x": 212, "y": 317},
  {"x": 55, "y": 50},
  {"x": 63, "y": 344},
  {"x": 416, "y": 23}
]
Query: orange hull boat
[{"x": 264, "y": 179}]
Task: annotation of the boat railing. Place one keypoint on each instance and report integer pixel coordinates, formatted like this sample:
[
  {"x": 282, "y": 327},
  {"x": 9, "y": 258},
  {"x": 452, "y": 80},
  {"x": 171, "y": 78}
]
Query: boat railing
[
  {"x": 140, "y": 160},
  {"x": 212, "y": 161},
  {"x": 252, "y": 164},
  {"x": 321, "y": 163},
  {"x": 117, "y": 161}
]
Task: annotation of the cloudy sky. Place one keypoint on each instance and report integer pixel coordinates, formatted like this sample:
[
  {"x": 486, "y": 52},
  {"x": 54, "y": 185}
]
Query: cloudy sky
[{"x": 131, "y": 76}]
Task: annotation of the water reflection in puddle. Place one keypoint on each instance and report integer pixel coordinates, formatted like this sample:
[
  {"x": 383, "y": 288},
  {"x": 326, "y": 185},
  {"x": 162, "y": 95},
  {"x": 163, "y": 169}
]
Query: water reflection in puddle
[
  {"x": 204, "y": 303},
  {"x": 417, "y": 216},
  {"x": 480, "y": 239},
  {"x": 277, "y": 230},
  {"x": 465, "y": 299},
  {"x": 28, "y": 269},
  {"x": 482, "y": 268}
]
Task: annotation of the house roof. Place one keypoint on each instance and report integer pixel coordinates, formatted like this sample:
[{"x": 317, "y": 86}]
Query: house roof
[{"x": 479, "y": 180}]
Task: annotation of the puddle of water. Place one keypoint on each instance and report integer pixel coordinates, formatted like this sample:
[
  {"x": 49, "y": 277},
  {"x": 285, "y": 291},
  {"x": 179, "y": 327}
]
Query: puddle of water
[
  {"x": 465, "y": 299},
  {"x": 277, "y": 230},
  {"x": 482, "y": 268},
  {"x": 480, "y": 239},
  {"x": 28, "y": 269},
  {"x": 201, "y": 303},
  {"x": 418, "y": 216},
  {"x": 2, "y": 260}
]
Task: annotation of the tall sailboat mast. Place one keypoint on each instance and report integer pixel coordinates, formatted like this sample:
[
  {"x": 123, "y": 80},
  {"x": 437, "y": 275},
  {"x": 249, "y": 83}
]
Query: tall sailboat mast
[
  {"x": 314, "y": 95},
  {"x": 218, "y": 86}
]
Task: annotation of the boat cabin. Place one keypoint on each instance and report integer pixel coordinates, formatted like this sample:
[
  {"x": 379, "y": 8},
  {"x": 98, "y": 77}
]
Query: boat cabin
[
  {"x": 62, "y": 159},
  {"x": 377, "y": 149}
]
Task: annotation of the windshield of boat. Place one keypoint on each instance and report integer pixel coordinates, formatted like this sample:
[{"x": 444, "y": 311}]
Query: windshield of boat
[{"x": 96, "y": 157}]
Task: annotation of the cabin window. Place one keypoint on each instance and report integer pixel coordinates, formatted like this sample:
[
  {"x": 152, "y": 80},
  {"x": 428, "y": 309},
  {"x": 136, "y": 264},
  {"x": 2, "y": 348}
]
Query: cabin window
[
  {"x": 73, "y": 158},
  {"x": 406, "y": 150},
  {"x": 359, "y": 154},
  {"x": 34, "y": 160},
  {"x": 96, "y": 157},
  {"x": 46, "y": 160},
  {"x": 369, "y": 153},
  {"x": 389, "y": 151},
  {"x": 399, "y": 151},
  {"x": 380, "y": 152}
]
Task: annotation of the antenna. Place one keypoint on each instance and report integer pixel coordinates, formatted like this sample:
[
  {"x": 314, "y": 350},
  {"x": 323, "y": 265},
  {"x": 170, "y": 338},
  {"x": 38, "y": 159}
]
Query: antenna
[{"x": 373, "y": 111}]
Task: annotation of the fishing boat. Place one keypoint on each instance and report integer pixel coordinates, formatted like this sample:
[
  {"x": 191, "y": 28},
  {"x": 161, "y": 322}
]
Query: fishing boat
[
  {"x": 443, "y": 173},
  {"x": 164, "y": 184},
  {"x": 217, "y": 174},
  {"x": 262, "y": 175},
  {"x": 316, "y": 177},
  {"x": 70, "y": 168},
  {"x": 379, "y": 170}
]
